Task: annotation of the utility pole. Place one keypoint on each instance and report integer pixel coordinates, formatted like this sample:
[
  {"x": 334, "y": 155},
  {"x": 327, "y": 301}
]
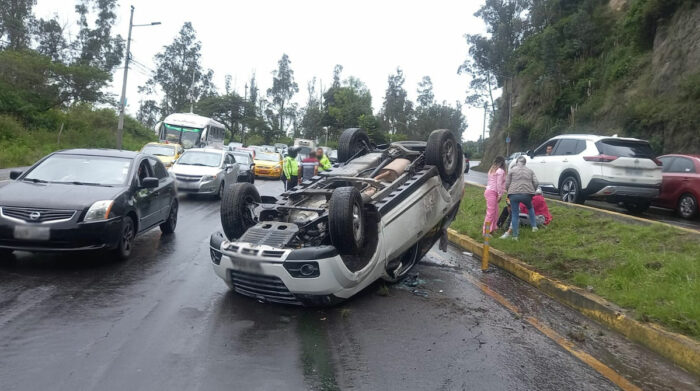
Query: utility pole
[
  {"x": 122, "y": 103},
  {"x": 245, "y": 100},
  {"x": 483, "y": 132}
]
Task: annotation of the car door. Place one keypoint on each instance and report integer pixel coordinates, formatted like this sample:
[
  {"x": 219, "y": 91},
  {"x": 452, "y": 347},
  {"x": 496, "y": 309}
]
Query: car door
[
  {"x": 665, "y": 196},
  {"x": 563, "y": 157},
  {"x": 163, "y": 193},
  {"x": 678, "y": 179},
  {"x": 543, "y": 164},
  {"x": 146, "y": 200},
  {"x": 231, "y": 169}
]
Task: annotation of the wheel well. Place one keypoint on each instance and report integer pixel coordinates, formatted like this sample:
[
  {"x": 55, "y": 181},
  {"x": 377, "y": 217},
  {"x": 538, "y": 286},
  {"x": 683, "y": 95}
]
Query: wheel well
[{"x": 567, "y": 173}]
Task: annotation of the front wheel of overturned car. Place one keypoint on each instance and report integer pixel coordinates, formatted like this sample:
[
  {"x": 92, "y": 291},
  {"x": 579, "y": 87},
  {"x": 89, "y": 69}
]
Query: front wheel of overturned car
[
  {"x": 238, "y": 209},
  {"x": 444, "y": 152},
  {"x": 169, "y": 225},
  {"x": 126, "y": 239},
  {"x": 351, "y": 144},
  {"x": 346, "y": 220}
]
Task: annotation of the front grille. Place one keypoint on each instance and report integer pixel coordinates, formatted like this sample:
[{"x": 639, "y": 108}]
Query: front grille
[
  {"x": 270, "y": 233},
  {"x": 37, "y": 215},
  {"x": 266, "y": 288},
  {"x": 188, "y": 178}
]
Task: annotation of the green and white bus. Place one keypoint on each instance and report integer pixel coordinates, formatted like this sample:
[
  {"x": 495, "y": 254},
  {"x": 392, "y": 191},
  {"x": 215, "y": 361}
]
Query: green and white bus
[{"x": 191, "y": 131}]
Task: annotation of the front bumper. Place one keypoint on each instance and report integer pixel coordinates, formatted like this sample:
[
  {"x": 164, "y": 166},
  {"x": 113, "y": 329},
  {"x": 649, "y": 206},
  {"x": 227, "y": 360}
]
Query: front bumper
[
  {"x": 263, "y": 272},
  {"x": 267, "y": 172},
  {"x": 198, "y": 187},
  {"x": 64, "y": 236}
]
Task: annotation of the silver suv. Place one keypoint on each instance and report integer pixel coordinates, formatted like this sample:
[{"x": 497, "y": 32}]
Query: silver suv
[
  {"x": 205, "y": 171},
  {"x": 613, "y": 169}
]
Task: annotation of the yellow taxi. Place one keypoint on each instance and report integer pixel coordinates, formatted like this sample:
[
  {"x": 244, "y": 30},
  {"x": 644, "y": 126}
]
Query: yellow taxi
[
  {"x": 167, "y": 153},
  {"x": 268, "y": 164}
]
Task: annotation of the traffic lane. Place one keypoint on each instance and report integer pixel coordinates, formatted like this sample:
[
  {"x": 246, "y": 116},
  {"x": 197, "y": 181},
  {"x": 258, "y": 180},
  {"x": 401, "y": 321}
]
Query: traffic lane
[
  {"x": 656, "y": 214},
  {"x": 160, "y": 320}
]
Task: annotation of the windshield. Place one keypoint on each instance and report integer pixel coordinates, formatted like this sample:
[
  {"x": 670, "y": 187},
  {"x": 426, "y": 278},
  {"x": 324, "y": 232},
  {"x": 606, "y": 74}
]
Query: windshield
[
  {"x": 242, "y": 158},
  {"x": 269, "y": 157},
  {"x": 188, "y": 137},
  {"x": 159, "y": 150},
  {"x": 197, "y": 158},
  {"x": 82, "y": 170},
  {"x": 625, "y": 148}
]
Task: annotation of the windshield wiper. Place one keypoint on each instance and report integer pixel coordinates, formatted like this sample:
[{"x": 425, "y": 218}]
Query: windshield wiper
[
  {"x": 35, "y": 180},
  {"x": 200, "y": 164},
  {"x": 88, "y": 184}
]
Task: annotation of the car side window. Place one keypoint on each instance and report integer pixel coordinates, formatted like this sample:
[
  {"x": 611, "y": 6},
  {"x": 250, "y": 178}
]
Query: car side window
[
  {"x": 666, "y": 162},
  {"x": 682, "y": 165},
  {"x": 144, "y": 171},
  {"x": 566, "y": 147},
  {"x": 233, "y": 158},
  {"x": 228, "y": 159},
  {"x": 158, "y": 169},
  {"x": 542, "y": 150}
]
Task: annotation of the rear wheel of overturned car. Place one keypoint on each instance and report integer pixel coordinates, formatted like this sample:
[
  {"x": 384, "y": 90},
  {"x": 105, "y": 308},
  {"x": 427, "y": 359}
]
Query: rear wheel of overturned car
[
  {"x": 351, "y": 144},
  {"x": 687, "y": 206},
  {"x": 126, "y": 239},
  {"x": 238, "y": 209},
  {"x": 444, "y": 152},
  {"x": 346, "y": 220},
  {"x": 169, "y": 225}
]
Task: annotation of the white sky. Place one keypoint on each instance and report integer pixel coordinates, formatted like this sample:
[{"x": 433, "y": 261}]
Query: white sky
[{"x": 368, "y": 38}]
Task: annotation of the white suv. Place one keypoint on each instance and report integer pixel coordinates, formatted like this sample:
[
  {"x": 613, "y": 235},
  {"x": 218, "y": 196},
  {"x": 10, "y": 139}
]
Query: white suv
[{"x": 613, "y": 169}]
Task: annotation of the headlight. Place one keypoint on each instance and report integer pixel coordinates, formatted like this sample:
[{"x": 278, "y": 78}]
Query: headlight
[
  {"x": 207, "y": 178},
  {"x": 277, "y": 166},
  {"x": 99, "y": 211}
]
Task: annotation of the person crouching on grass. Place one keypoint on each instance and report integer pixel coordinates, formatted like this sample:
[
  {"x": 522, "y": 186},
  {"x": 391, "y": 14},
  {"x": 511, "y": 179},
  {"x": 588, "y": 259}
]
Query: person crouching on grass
[
  {"x": 494, "y": 191},
  {"x": 521, "y": 184}
]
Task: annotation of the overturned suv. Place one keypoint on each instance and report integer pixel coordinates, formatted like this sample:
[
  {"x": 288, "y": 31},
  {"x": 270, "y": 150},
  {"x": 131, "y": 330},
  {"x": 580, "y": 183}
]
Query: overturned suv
[{"x": 373, "y": 215}]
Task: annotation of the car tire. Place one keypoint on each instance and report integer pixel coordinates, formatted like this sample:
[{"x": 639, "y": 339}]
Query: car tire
[
  {"x": 687, "y": 206},
  {"x": 443, "y": 151},
  {"x": 399, "y": 268},
  {"x": 570, "y": 190},
  {"x": 636, "y": 207},
  {"x": 237, "y": 209},
  {"x": 127, "y": 233},
  {"x": 352, "y": 142},
  {"x": 169, "y": 225},
  {"x": 346, "y": 220}
]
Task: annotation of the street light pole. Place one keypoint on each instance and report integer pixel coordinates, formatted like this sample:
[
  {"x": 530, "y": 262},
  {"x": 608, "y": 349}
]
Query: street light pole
[
  {"x": 245, "y": 101},
  {"x": 122, "y": 101},
  {"x": 120, "y": 126}
]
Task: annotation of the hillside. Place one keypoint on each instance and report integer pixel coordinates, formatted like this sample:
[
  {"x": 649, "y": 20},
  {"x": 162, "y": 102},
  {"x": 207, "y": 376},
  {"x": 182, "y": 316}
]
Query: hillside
[{"x": 627, "y": 67}]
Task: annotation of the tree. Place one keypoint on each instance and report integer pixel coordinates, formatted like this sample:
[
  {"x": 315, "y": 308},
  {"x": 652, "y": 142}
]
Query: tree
[
  {"x": 95, "y": 46},
  {"x": 15, "y": 21},
  {"x": 178, "y": 73},
  {"x": 425, "y": 92},
  {"x": 51, "y": 42},
  {"x": 149, "y": 113},
  {"x": 397, "y": 109},
  {"x": 283, "y": 89},
  {"x": 312, "y": 117},
  {"x": 438, "y": 116}
]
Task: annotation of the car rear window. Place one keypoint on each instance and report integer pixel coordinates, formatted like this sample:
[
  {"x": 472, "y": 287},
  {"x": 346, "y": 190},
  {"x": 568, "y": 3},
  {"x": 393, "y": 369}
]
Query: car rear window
[{"x": 625, "y": 148}]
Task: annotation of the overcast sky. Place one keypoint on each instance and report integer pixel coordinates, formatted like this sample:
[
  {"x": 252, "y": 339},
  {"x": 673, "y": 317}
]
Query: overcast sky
[{"x": 368, "y": 38}]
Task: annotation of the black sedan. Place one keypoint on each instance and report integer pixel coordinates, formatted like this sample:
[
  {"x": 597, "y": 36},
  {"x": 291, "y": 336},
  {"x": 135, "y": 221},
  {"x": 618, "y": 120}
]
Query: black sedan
[{"x": 86, "y": 199}]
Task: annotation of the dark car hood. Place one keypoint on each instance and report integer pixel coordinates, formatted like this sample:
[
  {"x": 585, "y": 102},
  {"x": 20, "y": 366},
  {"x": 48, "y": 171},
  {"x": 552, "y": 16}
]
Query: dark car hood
[{"x": 54, "y": 195}]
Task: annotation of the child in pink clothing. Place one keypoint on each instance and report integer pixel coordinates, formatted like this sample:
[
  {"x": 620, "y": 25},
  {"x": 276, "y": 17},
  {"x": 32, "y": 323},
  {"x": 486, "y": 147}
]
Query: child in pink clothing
[{"x": 494, "y": 191}]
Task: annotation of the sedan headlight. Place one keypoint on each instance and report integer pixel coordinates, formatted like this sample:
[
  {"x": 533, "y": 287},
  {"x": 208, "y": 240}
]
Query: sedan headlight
[
  {"x": 207, "y": 178},
  {"x": 99, "y": 211}
]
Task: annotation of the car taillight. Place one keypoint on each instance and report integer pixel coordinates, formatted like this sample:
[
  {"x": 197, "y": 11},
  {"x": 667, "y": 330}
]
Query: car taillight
[
  {"x": 658, "y": 162},
  {"x": 600, "y": 158}
]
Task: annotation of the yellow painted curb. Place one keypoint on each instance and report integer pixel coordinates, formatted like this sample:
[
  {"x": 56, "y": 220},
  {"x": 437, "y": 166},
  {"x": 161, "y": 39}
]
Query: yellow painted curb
[
  {"x": 610, "y": 212},
  {"x": 680, "y": 349}
]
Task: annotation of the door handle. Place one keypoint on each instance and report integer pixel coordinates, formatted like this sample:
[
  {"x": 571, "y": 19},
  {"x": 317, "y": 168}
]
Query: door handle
[{"x": 565, "y": 160}]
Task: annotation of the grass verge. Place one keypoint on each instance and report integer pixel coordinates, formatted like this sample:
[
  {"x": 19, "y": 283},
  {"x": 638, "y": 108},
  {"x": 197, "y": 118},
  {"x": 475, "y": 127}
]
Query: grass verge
[{"x": 650, "y": 269}]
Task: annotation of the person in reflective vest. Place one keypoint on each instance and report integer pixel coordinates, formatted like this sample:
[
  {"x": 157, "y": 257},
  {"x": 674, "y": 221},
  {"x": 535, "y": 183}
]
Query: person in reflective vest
[
  {"x": 324, "y": 164},
  {"x": 290, "y": 167}
]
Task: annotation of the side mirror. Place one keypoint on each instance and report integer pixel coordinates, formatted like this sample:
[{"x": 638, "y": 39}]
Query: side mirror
[
  {"x": 149, "y": 183},
  {"x": 530, "y": 153},
  {"x": 14, "y": 174},
  {"x": 228, "y": 166}
]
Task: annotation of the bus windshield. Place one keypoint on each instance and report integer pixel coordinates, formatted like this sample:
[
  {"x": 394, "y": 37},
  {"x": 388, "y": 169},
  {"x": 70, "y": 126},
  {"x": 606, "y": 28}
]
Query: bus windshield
[{"x": 187, "y": 137}]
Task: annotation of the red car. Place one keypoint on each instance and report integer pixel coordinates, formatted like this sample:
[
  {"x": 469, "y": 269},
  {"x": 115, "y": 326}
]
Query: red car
[{"x": 680, "y": 189}]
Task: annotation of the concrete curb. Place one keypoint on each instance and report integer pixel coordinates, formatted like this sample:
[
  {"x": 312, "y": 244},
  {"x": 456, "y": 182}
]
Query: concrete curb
[{"x": 682, "y": 350}]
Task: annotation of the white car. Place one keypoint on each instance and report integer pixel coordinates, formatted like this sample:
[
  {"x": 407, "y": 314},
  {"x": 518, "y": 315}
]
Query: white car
[
  {"x": 608, "y": 168},
  {"x": 205, "y": 171},
  {"x": 372, "y": 216}
]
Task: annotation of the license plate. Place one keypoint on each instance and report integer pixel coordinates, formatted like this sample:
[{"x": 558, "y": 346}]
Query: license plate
[
  {"x": 28, "y": 232},
  {"x": 249, "y": 266},
  {"x": 633, "y": 171}
]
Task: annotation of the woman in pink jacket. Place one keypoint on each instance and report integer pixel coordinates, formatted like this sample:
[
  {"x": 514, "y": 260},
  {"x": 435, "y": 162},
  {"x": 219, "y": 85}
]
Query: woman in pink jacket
[{"x": 494, "y": 191}]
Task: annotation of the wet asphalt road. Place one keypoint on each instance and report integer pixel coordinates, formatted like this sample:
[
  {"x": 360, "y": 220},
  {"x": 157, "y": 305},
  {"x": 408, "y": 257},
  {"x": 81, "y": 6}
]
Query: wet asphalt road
[{"x": 162, "y": 320}]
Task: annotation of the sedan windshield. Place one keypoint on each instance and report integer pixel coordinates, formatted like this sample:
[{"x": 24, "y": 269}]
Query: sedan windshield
[
  {"x": 81, "y": 170},
  {"x": 242, "y": 158},
  {"x": 196, "y": 158},
  {"x": 269, "y": 157},
  {"x": 159, "y": 150}
]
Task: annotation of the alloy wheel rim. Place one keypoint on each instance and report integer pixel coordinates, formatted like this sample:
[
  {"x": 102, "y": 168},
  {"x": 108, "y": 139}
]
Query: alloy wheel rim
[
  {"x": 448, "y": 157},
  {"x": 356, "y": 223},
  {"x": 173, "y": 214},
  {"x": 687, "y": 206},
  {"x": 127, "y": 237},
  {"x": 569, "y": 191}
]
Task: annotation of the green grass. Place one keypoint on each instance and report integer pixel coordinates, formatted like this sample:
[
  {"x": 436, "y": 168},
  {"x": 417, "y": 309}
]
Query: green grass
[{"x": 650, "y": 269}]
